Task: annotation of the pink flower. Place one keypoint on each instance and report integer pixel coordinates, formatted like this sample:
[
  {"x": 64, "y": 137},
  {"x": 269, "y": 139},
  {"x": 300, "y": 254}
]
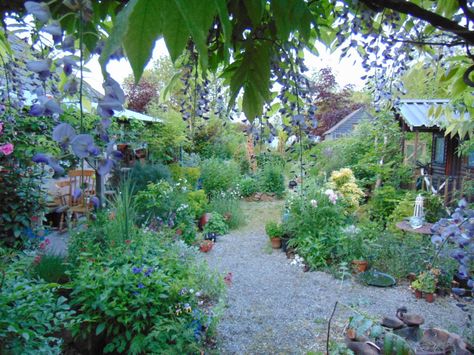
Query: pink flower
[
  {"x": 6, "y": 149},
  {"x": 1, "y": 127}
]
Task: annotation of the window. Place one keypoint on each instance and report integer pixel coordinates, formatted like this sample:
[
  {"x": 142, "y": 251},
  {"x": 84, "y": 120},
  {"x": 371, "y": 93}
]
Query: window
[
  {"x": 439, "y": 150},
  {"x": 470, "y": 159}
]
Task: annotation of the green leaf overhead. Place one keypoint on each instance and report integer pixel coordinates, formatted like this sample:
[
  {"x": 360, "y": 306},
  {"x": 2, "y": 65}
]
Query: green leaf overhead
[
  {"x": 198, "y": 16},
  {"x": 175, "y": 32},
  {"x": 255, "y": 10},
  {"x": 251, "y": 71},
  {"x": 119, "y": 30},
  {"x": 143, "y": 30}
]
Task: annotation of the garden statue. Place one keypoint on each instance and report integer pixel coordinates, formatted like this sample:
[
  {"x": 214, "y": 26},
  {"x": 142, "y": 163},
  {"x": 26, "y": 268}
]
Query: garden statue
[{"x": 417, "y": 220}]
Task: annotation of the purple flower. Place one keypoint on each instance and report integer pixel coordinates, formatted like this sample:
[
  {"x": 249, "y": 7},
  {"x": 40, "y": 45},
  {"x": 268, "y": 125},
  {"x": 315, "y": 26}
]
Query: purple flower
[
  {"x": 45, "y": 106},
  {"x": 105, "y": 165},
  {"x": 40, "y": 10},
  {"x": 55, "y": 30},
  {"x": 70, "y": 87},
  {"x": 95, "y": 202},
  {"x": 77, "y": 193},
  {"x": 113, "y": 99},
  {"x": 83, "y": 146},
  {"x": 149, "y": 271},
  {"x": 140, "y": 285},
  {"x": 136, "y": 270},
  {"x": 40, "y": 158},
  {"x": 64, "y": 134},
  {"x": 67, "y": 44},
  {"x": 58, "y": 169},
  {"x": 41, "y": 67},
  {"x": 68, "y": 63}
]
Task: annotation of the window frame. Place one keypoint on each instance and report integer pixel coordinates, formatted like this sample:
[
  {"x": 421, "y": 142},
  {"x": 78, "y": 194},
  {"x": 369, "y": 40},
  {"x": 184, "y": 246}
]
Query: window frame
[{"x": 436, "y": 153}]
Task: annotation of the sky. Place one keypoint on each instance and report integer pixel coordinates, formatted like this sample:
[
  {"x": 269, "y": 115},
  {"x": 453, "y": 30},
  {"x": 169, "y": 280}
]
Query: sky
[{"x": 347, "y": 70}]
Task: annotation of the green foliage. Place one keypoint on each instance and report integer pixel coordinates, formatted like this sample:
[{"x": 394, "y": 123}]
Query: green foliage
[
  {"x": 362, "y": 152},
  {"x": 316, "y": 230},
  {"x": 219, "y": 175},
  {"x": 248, "y": 186},
  {"x": 273, "y": 229},
  {"x": 31, "y": 314},
  {"x": 51, "y": 268},
  {"x": 22, "y": 198},
  {"x": 216, "y": 224},
  {"x": 269, "y": 158},
  {"x": 425, "y": 282},
  {"x": 343, "y": 182},
  {"x": 271, "y": 180},
  {"x": 400, "y": 255},
  {"x": 197, "y": 201},
  {"x": 228, "y": 205},
  {"x": 142, "y": 175},
  {"x": 383, "y": 202},
  {"x": 190, "y": 174},
  {"x": 147, "y": 284},
  {"x": 355, "y": 243}
]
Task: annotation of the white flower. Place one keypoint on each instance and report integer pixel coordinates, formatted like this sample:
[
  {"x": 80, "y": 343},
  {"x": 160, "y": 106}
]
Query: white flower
[{"x": 314, "y": 203}]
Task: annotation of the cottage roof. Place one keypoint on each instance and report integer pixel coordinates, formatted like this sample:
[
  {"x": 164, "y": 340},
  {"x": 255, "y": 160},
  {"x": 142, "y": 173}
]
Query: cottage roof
[
  {"x": 357, "y": 115},
  {"x": 419, "y": 113}
]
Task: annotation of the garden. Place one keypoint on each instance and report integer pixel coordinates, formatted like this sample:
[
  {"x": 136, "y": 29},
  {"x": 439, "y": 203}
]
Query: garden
[{"x": 220, "y": 199}]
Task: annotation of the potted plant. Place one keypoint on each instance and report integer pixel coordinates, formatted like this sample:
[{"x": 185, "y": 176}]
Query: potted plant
[
  {"x": 425, "y": 283},
  {"x": 274, "y": 232},
  {"x": 206, "y": 245},
  {"x": 416, "y": 285}
]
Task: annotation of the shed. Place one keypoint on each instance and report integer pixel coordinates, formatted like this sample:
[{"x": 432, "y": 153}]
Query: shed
[
  {"x": 345, "y": 126},
  {"x": 446, "y": 166}
]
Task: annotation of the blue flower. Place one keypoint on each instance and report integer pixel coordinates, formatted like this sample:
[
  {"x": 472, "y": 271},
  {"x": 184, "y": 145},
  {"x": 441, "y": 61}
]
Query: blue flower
[
  {"x": 40, "y": 10},
  {"x": 41, "y": 67},
  {"x": 140, "y": 285},
  {"x": 149, "y": 271},
  {"x": 136, "y": 270},
  {"x": 63, "y": 133},
  {"x": 40, "y": 158},
  {"x": 83, "y": 146}
]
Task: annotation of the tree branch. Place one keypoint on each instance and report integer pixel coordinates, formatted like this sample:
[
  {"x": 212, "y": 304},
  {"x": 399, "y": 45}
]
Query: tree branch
[
  {"x": 467, "y": 11},
  {"x": 432, "y": 18}
]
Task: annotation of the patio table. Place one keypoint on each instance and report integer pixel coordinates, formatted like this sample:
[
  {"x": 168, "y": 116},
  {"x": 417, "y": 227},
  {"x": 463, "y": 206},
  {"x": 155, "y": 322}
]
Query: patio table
[{"x": 406, "y": 227}]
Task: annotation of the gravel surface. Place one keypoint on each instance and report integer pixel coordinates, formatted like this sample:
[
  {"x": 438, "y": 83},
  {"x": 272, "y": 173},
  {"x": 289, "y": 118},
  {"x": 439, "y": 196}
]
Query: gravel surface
[{"x": 276, "y": 308}]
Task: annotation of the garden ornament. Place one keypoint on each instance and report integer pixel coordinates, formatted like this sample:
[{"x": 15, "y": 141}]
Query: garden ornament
[{"x": 417, "y": 220}]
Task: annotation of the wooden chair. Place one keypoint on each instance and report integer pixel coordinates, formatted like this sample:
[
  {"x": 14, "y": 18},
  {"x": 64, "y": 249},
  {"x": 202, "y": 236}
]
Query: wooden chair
[{"x": 83, "y": 180}]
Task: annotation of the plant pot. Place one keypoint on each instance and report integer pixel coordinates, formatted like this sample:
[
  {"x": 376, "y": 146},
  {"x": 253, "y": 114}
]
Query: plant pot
[
  {"x": 418, "y": 294},
  {"x": 360, "y": 265},
  {"x": 276, "y": 242},
  {"x": 429, "y": 297},
  {"x": 284, "y": 244},
  {"x": 206, "y": 246}
]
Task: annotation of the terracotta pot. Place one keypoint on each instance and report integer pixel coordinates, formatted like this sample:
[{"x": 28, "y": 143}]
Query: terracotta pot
[
  {"x": 418, "y": 294},
  {"x": 206, "y": 246},
  {"x": 276, "y": 243},
  {"x": 360, "y": 265},
  {"x": 429, "y": 297}
]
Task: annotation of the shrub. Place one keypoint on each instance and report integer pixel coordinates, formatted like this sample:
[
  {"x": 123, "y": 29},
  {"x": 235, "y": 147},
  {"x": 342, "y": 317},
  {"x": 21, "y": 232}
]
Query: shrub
[
  {"x": 269, "y": 159},
  {"x": 142, "y": 175},
  {"x": 143, "y": 298},
  {"x": 219, "y": 175},
  {"x": 271, "y": 180},
  {"x": 51, "y": 268},
  {"x": 228, "y": 205},
  {"x": 216, "y": 224},
  {"x": 315, "y": 222},
  {"x": 383, "y": 203},
  {"x": 248, "y": 186},
  {"x": 31, "y": 314},
  {"x": 189, "y": 174},
  {"x": 343, "y": 181},
  {"x": 197, "y": 201}
]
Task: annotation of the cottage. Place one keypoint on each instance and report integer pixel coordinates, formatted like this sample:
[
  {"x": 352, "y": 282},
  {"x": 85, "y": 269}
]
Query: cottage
[{"x": 345, "y": 126}]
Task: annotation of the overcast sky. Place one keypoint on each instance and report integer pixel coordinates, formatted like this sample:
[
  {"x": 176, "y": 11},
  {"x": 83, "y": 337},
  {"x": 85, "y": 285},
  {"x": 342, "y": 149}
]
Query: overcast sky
[{"x": 347, "y": 70}]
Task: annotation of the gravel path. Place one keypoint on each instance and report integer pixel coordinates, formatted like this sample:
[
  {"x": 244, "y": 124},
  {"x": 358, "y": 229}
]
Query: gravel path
[{"x": 276, "y": 308}]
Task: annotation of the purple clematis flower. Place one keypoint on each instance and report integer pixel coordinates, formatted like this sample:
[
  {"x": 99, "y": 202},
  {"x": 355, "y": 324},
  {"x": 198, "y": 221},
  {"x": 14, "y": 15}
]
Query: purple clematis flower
[
  {"x": 136, "y": 270},
  {"x": 68, "y": 63},
  {"x": 45, "y": 106},
  {"x": 63, "y": 133},
  {"x": 77, "y": 193},
  {"x": 105, "y": 165},
  {"x": 58, "y": 169},
  {"x": 40, "y": 10}
]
